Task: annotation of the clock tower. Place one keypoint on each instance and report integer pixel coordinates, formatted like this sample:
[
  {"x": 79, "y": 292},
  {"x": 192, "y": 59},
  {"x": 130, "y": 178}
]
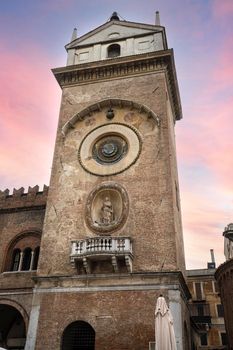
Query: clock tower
[{"x": 112, "y": 238}]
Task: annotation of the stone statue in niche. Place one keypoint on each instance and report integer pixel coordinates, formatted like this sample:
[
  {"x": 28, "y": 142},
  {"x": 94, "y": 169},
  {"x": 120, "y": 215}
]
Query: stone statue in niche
[
  {"x": 106, "y": 207},
  {"x": 107, "y": 213}
]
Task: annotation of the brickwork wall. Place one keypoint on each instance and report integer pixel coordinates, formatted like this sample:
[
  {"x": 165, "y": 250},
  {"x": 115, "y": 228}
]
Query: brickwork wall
[
  {"x": 148, "y": 182},
  {"x": 224, "y": 277},
  {"x": 124, "y": 319},
  {"x": 19, "y": 199},
  {"x": 21, "y": 222}
]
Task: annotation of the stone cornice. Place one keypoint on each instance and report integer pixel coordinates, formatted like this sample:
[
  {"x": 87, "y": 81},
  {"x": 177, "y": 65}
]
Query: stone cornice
[
  {"x": 19, "y": 209},
  {"x": 142, "y": 281},
  {"x": 123, "y": 67}
]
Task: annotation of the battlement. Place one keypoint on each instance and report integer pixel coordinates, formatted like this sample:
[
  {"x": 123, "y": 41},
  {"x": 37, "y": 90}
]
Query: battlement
[{"x": 19, "y": 199}]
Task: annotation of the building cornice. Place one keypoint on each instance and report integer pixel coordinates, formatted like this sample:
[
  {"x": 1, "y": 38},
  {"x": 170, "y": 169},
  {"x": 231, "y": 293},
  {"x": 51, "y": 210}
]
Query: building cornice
[
  {"x": 124, "y": 67},
  {"x": 19, "y": 209},
  {"x": 133, "y": 281}
]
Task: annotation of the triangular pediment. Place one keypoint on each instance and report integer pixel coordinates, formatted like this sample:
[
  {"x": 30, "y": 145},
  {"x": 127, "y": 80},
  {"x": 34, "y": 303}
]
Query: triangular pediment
[{"x": 114, "y": 30}]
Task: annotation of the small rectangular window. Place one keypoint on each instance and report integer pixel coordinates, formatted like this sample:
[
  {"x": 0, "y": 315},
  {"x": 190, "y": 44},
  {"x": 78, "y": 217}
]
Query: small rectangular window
[
  {"x": 220, "y": 310},
  {"x": 198, "y": 290},
  {"x": 203, "y": 339}
]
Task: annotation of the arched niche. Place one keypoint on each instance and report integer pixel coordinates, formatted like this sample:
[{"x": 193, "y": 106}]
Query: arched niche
[
  {"x": 107, "y": 207},
  {"x": 105, "y": 105}
]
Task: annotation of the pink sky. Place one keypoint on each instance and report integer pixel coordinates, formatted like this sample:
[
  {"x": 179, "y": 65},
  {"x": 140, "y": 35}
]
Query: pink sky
[{"x": 32, "y": 38}]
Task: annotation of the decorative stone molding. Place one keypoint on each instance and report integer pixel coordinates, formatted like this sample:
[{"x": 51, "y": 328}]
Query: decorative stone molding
[
  {"x": 120, "y": 207},
  {"x": 123, "y": 67},
  {"x": 108, "y": 103},
  {"x": 101, "y": 248},
  {"x": 128, "y": 134}
]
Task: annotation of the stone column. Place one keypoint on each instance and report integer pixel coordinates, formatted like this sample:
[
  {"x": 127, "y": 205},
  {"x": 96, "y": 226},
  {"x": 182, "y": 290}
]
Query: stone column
[
  {"x": 176, "y": 311},
  {"x": 32, "y": 260},
  {"x": 33, "y": 323},
  {"x": 20, "y": 261}
]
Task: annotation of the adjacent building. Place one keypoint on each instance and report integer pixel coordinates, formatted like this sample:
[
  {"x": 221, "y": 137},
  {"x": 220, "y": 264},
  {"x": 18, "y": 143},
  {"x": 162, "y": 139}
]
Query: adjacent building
[
  {"x": 224, "y": 277},
  {"x": 206, "y": 310}
]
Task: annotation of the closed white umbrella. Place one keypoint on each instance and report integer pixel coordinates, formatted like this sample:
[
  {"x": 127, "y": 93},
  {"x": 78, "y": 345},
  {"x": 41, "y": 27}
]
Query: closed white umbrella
[{"x": 164, "y": 330}]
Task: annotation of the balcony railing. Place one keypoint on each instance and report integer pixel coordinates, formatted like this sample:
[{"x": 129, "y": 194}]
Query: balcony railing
[{"x": 99, "y": 248}]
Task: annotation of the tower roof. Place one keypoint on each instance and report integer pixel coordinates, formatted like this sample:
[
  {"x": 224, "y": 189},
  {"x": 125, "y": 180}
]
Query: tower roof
[{"x": 115, "y": 29}]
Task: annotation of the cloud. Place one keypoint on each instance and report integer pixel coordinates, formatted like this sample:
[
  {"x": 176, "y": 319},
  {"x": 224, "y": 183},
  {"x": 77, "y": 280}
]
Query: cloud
[
  {"x": 222, "y": 8},
  {"x": 204, "y": 218},
  {"x": 56, "y": 5},
  {"x": 205, "y": 143},
  {"x": 29, "y": 104}
]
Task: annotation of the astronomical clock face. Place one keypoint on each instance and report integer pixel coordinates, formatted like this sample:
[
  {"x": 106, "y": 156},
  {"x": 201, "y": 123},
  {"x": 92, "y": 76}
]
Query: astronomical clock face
[{"x": 109, "y": 149}]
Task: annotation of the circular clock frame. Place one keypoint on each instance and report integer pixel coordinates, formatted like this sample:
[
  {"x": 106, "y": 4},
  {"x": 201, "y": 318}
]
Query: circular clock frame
[{"x": 109, "y": 149}]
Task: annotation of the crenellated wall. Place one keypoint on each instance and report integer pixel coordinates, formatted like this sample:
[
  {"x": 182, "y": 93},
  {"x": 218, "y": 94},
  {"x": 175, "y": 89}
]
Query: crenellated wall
[{"x": 19, "y": 199}]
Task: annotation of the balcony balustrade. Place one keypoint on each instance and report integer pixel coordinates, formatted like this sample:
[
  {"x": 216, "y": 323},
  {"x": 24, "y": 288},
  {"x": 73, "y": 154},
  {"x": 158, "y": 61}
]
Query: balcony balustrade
[{"x": 102, "y": 248}]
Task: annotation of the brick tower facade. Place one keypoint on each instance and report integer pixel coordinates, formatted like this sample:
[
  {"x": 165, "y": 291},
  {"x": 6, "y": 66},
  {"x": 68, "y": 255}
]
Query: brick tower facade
[{"x": 112, "y": 237}]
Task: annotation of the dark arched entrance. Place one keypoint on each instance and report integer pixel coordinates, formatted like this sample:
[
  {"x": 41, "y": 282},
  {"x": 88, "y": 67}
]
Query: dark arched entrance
[
  {"x": 12, "y": 328},
  {"x": 78, "y": 335}
]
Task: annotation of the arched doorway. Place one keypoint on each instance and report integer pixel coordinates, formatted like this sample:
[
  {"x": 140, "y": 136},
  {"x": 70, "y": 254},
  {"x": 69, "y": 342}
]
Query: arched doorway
[
  {"x": 12, "y": 328},
  {"x": 78, "y": 335}
]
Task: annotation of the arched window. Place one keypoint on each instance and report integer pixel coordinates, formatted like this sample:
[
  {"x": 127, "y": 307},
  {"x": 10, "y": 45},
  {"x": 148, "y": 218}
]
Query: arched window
[
  {"x": 78, "y": 335},
  {"x": 114, "y": 50},
  {"x": 27, "y": 255},
  {"x": 36, "y": 258},
  {"x": 15, "y": 260},
  {"x": 23, "y": 252}
]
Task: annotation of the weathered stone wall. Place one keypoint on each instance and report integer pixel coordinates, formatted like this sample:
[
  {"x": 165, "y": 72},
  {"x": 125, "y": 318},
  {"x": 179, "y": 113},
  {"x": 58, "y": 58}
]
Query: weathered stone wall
[
  {"x": 21, "y": 216},
  {"x": 149, "y": 182},
  {"x": 123, "y": 318}
]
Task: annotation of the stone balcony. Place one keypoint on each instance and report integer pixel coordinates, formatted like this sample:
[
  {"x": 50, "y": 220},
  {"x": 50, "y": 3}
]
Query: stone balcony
[{"x": 99, "y": 249}]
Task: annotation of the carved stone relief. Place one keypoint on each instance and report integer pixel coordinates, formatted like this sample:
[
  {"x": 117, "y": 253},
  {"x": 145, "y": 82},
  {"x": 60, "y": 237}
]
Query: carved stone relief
[{"x": 107, "y": 207}]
